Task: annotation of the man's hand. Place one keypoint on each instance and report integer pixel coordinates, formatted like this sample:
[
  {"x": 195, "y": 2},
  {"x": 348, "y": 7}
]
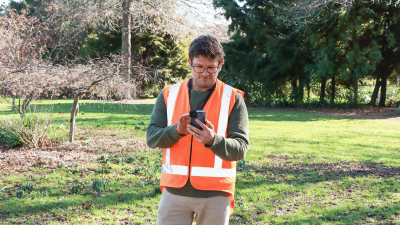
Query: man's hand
[
  {"x": 205, "y": 136},
  {"x": 184, "y": 120}
]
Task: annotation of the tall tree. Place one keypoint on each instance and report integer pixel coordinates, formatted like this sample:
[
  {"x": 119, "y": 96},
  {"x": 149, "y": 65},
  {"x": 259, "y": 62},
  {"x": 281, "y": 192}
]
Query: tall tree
[
  {"x": 258, "y": 59},
  {"x": 126, "y": 37},
  {"x": 367, "y": 33}
]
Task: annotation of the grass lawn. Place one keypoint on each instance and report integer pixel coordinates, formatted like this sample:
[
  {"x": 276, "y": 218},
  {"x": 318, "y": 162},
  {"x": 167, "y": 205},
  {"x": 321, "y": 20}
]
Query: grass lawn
[{"x": 302, "y": 168}]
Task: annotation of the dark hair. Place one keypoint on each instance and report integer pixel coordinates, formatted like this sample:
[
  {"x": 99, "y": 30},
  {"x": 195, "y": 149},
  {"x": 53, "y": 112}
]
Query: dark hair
[{"x": 206, "y": 46}]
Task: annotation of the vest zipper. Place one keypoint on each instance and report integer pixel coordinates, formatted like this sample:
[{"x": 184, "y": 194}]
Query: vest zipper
[{"x": 190, "y": 156}]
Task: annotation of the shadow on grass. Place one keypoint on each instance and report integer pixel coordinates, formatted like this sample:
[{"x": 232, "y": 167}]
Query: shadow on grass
[
  {"x": 301, "y": 116},
  {"x": 95, "y": 114},
  {"x": 113, "y": 108},
  {"x": 346, "y": 215},
  {"x": 84, "y": 205},
  {"x": 300, "y": 173},
  {"x": 286, "y": 179}
]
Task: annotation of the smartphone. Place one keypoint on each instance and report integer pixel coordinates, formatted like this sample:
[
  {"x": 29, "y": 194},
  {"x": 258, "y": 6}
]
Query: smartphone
[{"x": 197, "y": 114}]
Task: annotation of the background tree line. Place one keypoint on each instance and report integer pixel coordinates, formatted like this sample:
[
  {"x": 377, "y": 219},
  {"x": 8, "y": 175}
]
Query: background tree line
[
  {"x": 283, "y": 52},
  {"x": 287, "y": 49}
]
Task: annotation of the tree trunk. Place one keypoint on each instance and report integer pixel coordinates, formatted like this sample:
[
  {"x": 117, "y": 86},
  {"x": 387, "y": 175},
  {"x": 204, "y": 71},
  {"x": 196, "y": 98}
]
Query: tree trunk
[
  {"x": 25, "y": 104},
  {"x": 355, "y": 90},
  {"x": 301, "y": 89},
  {"x": 323, "y": 87},
  {"x": 382, "y": 100},
  {"x": 294, "y": 89},
  {"x": 74, "y": 112},
  {"x": 13, "y": 103},
  {"x": 126, "y": 40},
  {"x": 375, "y": 92},
  {"x": 333, "y": 90}
]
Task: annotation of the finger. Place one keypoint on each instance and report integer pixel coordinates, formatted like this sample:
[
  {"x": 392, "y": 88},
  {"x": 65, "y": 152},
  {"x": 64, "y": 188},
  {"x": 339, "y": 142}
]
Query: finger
[
  {"x": 193, "y": 128},
  {"x": 192, "y": 132},
  {"x": 201, "y": 124},
  {"x": 184, "y": 116},
  {"x": 210, "y": 125}
]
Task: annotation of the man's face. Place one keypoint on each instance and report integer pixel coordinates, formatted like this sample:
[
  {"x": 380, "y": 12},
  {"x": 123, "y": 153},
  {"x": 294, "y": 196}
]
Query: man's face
[{"x": 202, "y": 81}]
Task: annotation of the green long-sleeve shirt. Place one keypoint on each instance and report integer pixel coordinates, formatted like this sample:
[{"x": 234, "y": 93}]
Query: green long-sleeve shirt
[{"x": 233, "y": 148}]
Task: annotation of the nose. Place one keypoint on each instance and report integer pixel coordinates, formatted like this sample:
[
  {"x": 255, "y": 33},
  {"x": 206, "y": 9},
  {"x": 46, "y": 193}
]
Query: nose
[{"x": 205, "y": 72}]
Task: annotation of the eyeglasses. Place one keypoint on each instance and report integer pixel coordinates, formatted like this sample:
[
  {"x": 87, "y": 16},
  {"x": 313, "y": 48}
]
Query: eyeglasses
[{"x": 199, "y": 69}]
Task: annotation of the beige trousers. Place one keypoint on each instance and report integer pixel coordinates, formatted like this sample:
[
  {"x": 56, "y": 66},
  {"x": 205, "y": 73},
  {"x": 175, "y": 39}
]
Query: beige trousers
[{"x": 179, "y": 210}]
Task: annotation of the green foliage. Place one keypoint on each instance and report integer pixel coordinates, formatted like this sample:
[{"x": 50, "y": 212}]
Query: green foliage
[
  {"x": 78, "y": 187},
  {"x": 104, "y": 170},
  {"x": 73, "y": 171},
  {"x": 120, "y": 160},
  {"x": 27, "y": 187},
  {"x": 30, "y": 131},
  {"x": 104, "y": 157},
  {"x": 131, "y": 159},
  {"x": 152, "y": 49},
  {"x": 137, "y": 170},
  {"x": 9, "y": 137},
  {"x": 19, "y": 193},
  {"x": 242, "y": 165},
  {"x": 257, "y": 60},
  {"x": 269, "y": 59},
  {"x": 99, "y": 185}
]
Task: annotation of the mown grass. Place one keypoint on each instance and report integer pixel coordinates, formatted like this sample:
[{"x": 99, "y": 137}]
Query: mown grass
[
  {"x": 301, "y": 168},
  {"x": 131, "y": 195},
  {"x": 93, "y": 115}
]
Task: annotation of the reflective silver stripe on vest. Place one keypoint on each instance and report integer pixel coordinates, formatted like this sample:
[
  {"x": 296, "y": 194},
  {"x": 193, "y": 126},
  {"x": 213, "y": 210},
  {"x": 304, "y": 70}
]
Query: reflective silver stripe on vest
[
  {"x": 223, "y": 119},
  {"x": 174, "y": 169},
  {"x": 213, "y": 172},
  {"x": 173, "y": 93}
]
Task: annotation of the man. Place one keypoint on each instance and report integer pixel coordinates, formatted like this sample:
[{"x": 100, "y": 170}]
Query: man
[{"x": 199, "y": 166}]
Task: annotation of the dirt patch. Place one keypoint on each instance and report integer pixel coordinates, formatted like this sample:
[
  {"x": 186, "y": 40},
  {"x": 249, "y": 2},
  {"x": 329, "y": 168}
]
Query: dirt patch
[
  {"x": 279, "y": 164},
  {"x": 83, "y": 151},
  {"x": 372, "y": 113}
]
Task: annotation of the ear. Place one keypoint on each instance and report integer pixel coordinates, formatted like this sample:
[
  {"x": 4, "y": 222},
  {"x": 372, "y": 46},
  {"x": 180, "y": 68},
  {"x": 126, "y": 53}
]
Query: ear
[
  {"x": 190, "y": 63},
  {"x": 220, "y": 66}
]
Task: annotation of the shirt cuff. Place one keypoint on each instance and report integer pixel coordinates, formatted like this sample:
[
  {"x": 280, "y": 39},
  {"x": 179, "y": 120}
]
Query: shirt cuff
[{"x": 217, "y": 144}]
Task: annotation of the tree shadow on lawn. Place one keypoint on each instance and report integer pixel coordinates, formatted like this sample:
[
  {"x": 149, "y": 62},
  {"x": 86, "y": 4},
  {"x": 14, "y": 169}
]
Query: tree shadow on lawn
[
  {"x": 301, "y": 116},
  {"x": 344, "y": 215},
  {"x": 297, "y": 176},
  {"x": 298, "y": 114},
  {"x": 93, "y": 113},
  {"x": 84, "y": 206},
  {"x": 113, "y": 108},
  {"x": 317, "y": 172}
]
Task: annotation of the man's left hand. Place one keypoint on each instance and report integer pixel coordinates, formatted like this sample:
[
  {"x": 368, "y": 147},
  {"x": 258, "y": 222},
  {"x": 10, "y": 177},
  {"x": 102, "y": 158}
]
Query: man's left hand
[{"x": 205, "y": 136}]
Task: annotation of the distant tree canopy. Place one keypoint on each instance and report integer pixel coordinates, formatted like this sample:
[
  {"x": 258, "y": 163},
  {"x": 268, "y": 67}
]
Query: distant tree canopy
[
  {"x": 282, "y": 48},
  {"x": 151, "y": 49},
  {"x": 159, "y": 40}
]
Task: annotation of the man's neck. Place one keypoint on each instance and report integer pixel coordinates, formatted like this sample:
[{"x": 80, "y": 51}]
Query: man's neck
[{"x": 191, "y": 86}]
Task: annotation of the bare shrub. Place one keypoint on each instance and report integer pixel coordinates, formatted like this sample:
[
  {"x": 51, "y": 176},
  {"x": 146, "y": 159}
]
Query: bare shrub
[{"x": 30, "y": 131}]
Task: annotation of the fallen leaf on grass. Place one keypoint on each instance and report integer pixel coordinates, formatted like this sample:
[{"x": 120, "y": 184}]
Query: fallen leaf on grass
[{"x": 1, "y": 206}]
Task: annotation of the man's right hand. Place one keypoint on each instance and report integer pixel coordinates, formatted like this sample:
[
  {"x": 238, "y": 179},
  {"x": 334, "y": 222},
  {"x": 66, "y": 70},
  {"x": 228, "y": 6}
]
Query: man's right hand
[{"x": 184, "y": 120}]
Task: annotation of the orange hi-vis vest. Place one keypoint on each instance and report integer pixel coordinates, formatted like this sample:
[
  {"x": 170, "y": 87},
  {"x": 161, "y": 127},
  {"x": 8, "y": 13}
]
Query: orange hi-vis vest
[{"x": 188, "y": 156}]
